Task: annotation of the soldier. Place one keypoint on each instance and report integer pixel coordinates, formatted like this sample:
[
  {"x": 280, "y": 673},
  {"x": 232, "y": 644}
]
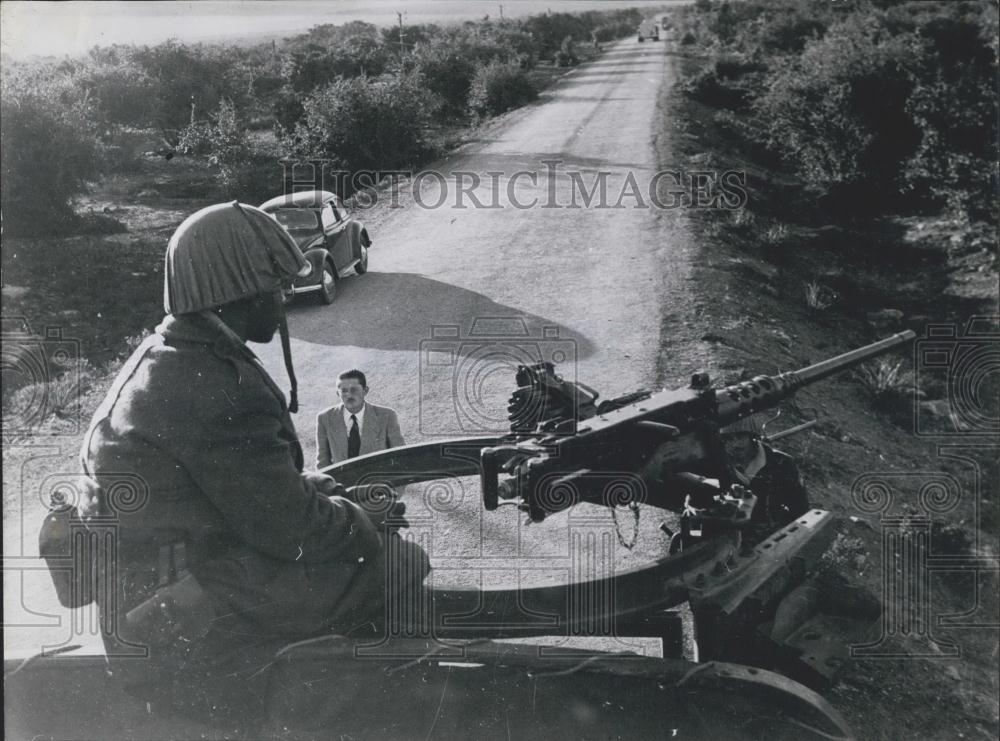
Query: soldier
[{"x": 234, "y": 545}]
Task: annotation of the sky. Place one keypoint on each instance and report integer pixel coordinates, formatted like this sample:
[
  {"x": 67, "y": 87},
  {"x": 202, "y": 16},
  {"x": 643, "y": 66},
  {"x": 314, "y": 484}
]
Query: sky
[{"x": 30, "y": 27}]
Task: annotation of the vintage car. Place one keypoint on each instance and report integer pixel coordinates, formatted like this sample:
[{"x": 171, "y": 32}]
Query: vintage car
[
  {"x": 649, "y": 29},
  {"x": 332, "y": 240}
]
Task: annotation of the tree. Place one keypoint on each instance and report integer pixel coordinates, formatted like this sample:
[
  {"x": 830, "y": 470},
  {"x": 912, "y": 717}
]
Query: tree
[{"x": 48, "y": 152}]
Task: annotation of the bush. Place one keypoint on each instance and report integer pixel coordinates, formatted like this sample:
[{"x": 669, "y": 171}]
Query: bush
[
  {"x": 287, "y": 109},
  {"x": 188, "y": 81},
  {"x": 954, "y": 106},
  {"x": 566, "y": 56},
  {"x": 48, "y": 152},
  {"x": 353, "y": 56},
  {"x": 498, "y": 87},
  {"x": 732, "y": 82},
  {"x": 889, "y": 382},
  {"x": 125, "y": 94},
  {"x": 838, "y": 113},
  {"x": 608, "y": 33},
  {"x": 365, "y": 124},
  {"x": 871, "y": 104},
  {"x": 246, "y": 170},
  {"x": 447, "y": 74},
  {"x": 549, "y": 31},
  {"x": 788, "y": 32}
]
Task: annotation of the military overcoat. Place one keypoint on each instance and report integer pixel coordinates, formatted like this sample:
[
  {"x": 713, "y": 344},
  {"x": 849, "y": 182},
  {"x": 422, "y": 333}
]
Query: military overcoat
[{"x": 200, "y": 469}]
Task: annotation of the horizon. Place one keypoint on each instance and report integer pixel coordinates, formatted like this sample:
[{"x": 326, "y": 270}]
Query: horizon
[{"x": 73, "y": 28}]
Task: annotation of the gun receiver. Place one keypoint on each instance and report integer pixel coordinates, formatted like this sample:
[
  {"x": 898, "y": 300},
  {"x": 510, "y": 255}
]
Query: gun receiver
[{"x": 564, "y": 446}]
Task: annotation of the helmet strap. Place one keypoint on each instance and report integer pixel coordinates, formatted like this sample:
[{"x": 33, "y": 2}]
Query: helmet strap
[{"x": 286, "y": 351}]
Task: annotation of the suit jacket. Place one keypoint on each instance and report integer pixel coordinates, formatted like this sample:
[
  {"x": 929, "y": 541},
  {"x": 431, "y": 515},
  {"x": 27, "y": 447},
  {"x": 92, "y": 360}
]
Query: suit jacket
[{"x": 380, "y": 431}]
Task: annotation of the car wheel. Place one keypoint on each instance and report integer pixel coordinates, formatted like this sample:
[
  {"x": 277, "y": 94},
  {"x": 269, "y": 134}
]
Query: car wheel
[
  {"x": 328, "y": 285},
  {"x": 361, "y": 266}
]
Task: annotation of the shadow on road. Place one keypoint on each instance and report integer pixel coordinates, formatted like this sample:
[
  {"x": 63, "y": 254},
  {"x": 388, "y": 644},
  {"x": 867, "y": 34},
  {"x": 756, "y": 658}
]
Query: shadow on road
[
  {"x": 610, "y": 71},
  {"x": 399, "y": 311},
  {"x": 590, "y": 99},
  {"x": 600, "y": 78},
  {"x": 625, "y": 53},
  {"x": 561, "y": 162}
]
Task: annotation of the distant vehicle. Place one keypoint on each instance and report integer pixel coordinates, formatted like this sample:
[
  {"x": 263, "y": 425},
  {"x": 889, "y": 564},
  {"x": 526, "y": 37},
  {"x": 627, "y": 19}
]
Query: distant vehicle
[
  {"x": 332, "y": 240},
  {"x": 649, "y": 29}
]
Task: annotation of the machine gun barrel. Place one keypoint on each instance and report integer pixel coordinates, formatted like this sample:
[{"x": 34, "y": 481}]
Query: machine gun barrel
[
  {"x": 826, "y": 368},
  {"x": 763, "y": 392},
  {"x": 622, "y": 437}
]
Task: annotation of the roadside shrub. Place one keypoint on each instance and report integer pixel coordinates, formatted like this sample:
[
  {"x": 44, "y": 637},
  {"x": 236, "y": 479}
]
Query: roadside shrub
[
  {"x": 447, "y": 74},
  {"x": 125, "y": 94},
  {"x": 838, "y": 113},
  {"x": 552, "y": 28},
  {"x": 188, "y": 80},
  {"x": 954, "y": 106},
  {"x": 819, "y": 298},
  {"x": 521, "y": 44},
  {"x": 787, "y": 32},
  {"x": 608, "y": 32},
  {"x": 566, "y": 56},
  {"x": 871, "y": 105},
  {"x": 889, "y": 382},
  {"x": 365, "y": 124},
  {"x": 48, "y": 152},
  {"x": 731, "y": 81},
  {"x": 315, "y": 66},
  {"x": 413, "y": 36},
  {"x": 498, "y": 87},
  {"x": 549, "y": 31},
  {"x": 196, "y": 138},
  {"x": 726, "y": 23},
  {"x": 287, "y": 109},
  {"x": 246, "y": 169}
]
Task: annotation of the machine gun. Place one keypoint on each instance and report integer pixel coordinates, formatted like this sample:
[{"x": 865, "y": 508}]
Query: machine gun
[{"x": 561, "y": 437}]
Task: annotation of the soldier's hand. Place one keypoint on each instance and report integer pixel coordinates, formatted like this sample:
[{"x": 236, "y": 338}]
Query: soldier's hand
[
  {"x": 381, "y": 503},
  {"x": 322, "y": 484}
]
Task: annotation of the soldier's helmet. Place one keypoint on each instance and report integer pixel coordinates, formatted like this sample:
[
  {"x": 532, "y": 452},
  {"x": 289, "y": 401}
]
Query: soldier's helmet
[{"x": 227, "y": 252}]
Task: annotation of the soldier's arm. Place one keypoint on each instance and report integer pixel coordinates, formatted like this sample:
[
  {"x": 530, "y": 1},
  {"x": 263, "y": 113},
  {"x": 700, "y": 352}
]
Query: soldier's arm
[{"x": 246, "y": 467}]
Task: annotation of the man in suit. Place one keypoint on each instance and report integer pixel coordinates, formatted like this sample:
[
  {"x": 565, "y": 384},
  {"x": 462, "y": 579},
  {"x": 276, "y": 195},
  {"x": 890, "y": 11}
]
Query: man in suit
[{"x": 354, "y": 427}]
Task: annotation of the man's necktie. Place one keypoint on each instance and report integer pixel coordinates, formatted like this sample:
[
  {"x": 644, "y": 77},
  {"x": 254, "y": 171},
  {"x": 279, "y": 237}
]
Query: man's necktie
[{"x": 353, "y": 439}]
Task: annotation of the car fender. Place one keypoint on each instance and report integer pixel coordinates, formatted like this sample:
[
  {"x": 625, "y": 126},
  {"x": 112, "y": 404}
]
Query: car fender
[
  {"x": 359, "y": 238},
  {"x": 316, "y": 257}
]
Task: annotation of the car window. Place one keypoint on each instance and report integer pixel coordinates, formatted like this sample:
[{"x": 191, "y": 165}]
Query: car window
[
  {"x": 296, "y": 218},
  {"x": 330, "y": 216}
]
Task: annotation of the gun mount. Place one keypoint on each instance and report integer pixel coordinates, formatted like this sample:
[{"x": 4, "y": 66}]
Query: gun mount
[{"x": 560, "y": 436}]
